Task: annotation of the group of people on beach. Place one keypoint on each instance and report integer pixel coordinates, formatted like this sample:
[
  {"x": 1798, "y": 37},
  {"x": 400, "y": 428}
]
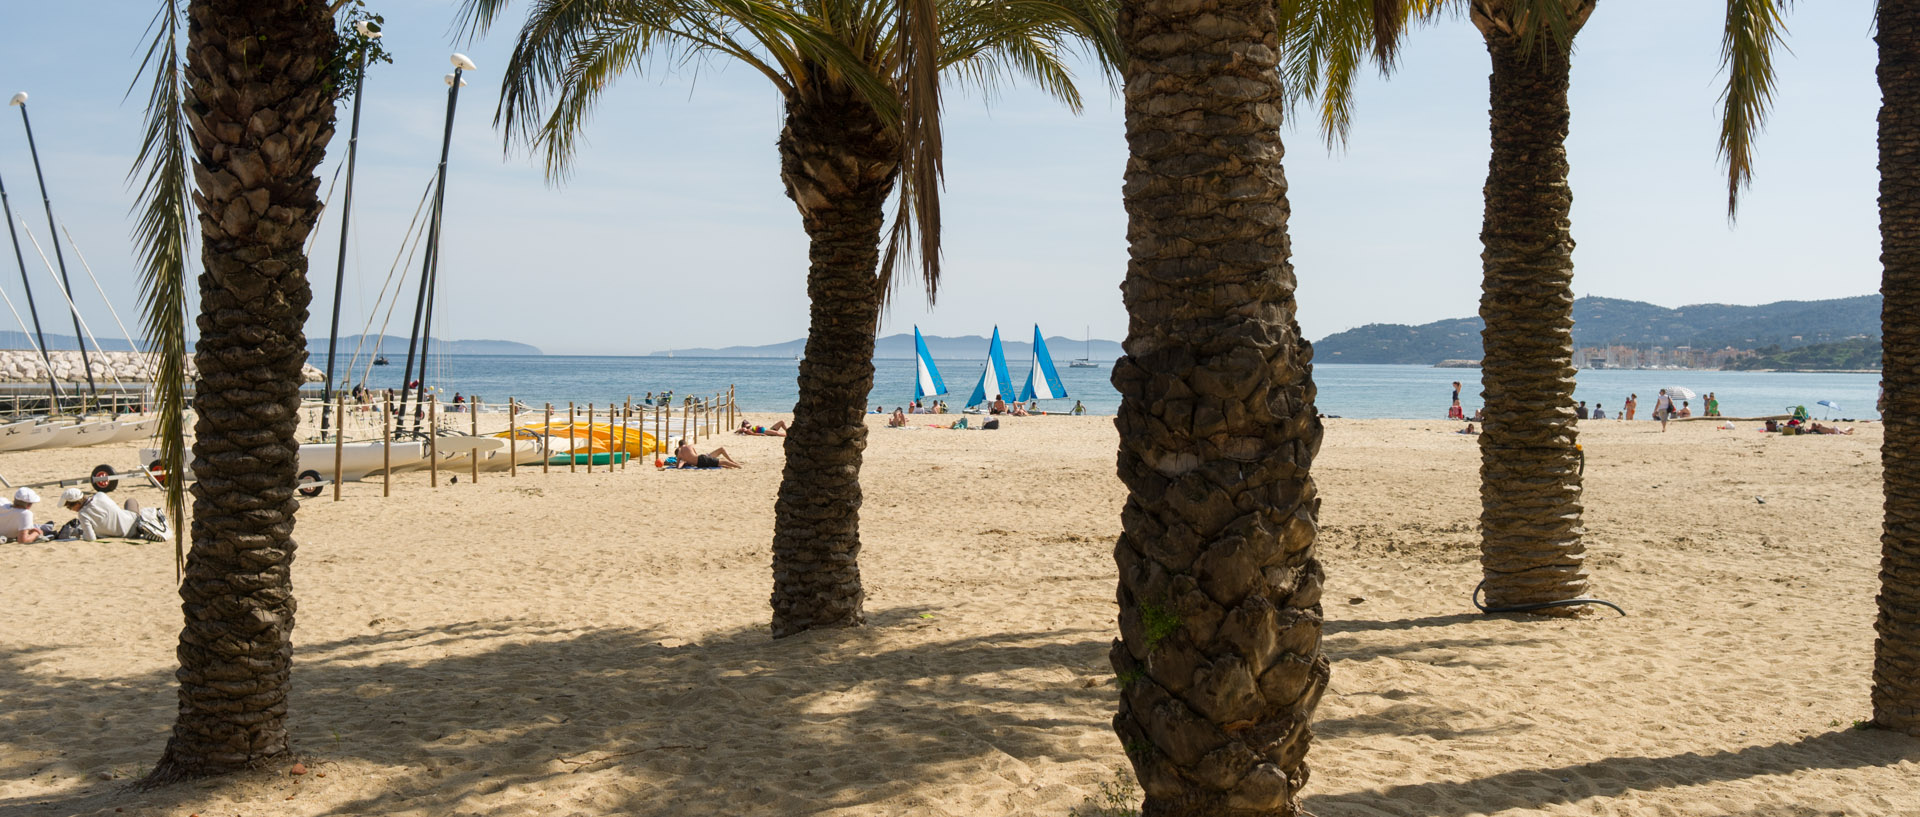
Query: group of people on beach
[
  {"x": 1664, "y": 409},
  {"x": 95, "y": 517}
]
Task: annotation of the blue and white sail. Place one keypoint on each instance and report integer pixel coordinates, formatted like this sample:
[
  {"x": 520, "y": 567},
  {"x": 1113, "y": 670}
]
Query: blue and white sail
[
  {"x": 1043, "y": 383},
  {"x": 994, "y": 380},
  {"x": 926, "y": 376}
]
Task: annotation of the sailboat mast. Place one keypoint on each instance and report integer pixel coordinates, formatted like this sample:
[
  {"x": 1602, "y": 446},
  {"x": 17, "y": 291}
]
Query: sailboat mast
[
  {"x": 53, "y": 383},
  {"x": 53, "y": 231},
  {"x": 346, "y": 221},
  {"x": 430, "y": 266}
]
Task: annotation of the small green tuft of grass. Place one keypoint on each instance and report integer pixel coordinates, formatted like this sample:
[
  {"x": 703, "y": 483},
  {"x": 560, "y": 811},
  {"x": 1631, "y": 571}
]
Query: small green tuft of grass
[
  {"x": 1160, "y": 623},
  {"x": 1118, "y": 797},
  {"x": 1127, "y": 678}
]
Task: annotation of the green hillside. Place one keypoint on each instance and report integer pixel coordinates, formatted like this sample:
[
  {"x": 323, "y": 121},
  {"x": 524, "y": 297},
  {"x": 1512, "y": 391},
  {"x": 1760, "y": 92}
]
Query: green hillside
[{"x": 1609, "y": 321}]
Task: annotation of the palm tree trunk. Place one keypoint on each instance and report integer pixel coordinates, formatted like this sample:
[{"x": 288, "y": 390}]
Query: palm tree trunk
[
  {"x": 261, "y": 112},
  {"x": 1529, "y": 458},
  {"x": 1896, "y": 665},
  {"x": 838, "y": 165},
  {"x": 1219, "y": 651}
]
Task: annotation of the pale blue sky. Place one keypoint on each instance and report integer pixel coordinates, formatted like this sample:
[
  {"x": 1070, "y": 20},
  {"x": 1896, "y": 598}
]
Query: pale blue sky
[{"x": 674, "y": 230}]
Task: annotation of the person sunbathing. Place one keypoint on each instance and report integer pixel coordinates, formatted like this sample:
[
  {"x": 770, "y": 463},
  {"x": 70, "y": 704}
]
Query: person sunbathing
[
  {"x": 999, "y": 406},
  {"x": 1019, "y": 410},
  {"x": 687, "y": 457},
  {"x": 1468, "y": 430},
  {"x": 1826, "y": 429},
  {"x": 778, "y": 429},
  {"x": 898, "y": 420}
]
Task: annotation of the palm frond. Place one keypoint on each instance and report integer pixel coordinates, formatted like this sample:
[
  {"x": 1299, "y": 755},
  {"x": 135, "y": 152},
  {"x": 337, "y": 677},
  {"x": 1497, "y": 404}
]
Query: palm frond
[
  {"x": 162, "y": 235},
  {"x": 917, "y": 223},
  {"x": 1754, "y": 29}
]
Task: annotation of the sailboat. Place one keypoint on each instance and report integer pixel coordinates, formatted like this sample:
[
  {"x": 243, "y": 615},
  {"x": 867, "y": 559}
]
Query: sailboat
[
  {"x": 994, "y": 383},
  {"x": 1085, "y": 362},
  {"x": 1043, "y": 383},
  {"x": 926, "y": 376}
]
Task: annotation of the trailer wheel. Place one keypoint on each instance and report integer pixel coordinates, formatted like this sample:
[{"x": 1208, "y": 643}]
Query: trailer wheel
[
  {"x": 103, "y": 480},
  {"x": 159, "y": 471},
  {"x": 310, "y": 476}
]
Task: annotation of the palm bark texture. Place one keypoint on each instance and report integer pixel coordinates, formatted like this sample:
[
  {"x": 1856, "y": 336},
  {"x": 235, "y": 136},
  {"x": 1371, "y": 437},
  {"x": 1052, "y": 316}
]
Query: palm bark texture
[
  {"x": 1219, "y": 652},
  {"x": 1531, "y": 549},
  {"x": 838, "y": 162},
  {"x": 261, "y": 114},
  {"x": 1896, "y": 664}
]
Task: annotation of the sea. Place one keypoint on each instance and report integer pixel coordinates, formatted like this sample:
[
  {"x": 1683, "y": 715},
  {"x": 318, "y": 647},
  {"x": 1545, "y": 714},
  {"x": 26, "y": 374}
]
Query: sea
[{"x": 1345, "y": 390}]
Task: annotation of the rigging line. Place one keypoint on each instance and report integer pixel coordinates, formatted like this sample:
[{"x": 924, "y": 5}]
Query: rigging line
[
  {"x": 397, "y": 266},
  {"x": 69, "y": 298},
  {"x": 97, "y": 288},
  {"x": 325, "y": 205},
  {"x": 23, "y": 324},
  {"x": 353, "y": 362}
]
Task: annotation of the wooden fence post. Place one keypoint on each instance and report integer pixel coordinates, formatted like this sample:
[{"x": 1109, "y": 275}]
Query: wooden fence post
[
  {"x": 433, "y": 442},
  {"x": 339, "y": 439},
  {"x": 473, "y": 412}
]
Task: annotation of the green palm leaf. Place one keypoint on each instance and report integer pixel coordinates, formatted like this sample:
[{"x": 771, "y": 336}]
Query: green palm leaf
[
  {"x": 1755, "y": 28},
  {"x": 162, "y": 235}
]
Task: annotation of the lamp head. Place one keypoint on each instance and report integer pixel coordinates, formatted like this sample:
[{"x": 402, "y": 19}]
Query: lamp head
[
  {"x": 461, "y": 62},
  {"x": 368, "y": 29},
  {"x": 449, "y": 80},
  {"x": 19, "y": 99}
]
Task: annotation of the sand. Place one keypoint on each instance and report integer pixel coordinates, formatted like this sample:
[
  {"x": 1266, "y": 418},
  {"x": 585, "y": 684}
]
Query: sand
[{"x": 575, "y": 644}]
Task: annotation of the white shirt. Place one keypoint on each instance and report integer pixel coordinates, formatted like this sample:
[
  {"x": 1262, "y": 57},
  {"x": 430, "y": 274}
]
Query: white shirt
[
  {"x": 14, "y": 520},
  {"x": 100, "y": 517}
]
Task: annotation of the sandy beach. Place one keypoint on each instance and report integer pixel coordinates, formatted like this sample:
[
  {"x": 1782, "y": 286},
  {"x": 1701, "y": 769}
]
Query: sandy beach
[{"x": 595, "y": 644}]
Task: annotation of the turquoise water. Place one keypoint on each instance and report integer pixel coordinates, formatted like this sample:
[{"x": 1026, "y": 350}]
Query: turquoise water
[{"x": 1345, "y": 390}]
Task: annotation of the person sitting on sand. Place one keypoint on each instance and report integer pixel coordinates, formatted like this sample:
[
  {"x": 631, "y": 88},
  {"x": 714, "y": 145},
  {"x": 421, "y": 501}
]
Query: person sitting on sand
[
  {"x": 999, "y": 406},
  {"x": 98, "y": 517},
  {"x": 1599, "y": 412},
  {"x": 1468, "y": 430},
  {"x": 689, "y": 458},
  {"x": 898, "y": 420},
  {"x": 16, "y": 520},
  {"x": 778, "y": 429},
  {"x": 1686, "y": 410}
]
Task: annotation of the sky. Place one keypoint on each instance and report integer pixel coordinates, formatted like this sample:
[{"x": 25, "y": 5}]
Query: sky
[{"x": 673, "y": 230}]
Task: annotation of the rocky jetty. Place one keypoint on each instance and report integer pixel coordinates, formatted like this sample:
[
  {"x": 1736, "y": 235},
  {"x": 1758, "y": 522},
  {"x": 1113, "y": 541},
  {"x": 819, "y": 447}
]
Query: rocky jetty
[{"x": 25, "y": 366}]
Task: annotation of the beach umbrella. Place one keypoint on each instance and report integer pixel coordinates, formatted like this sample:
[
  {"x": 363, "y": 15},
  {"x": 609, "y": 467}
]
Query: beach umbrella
[
  {"x": 1680, "y": 393},
  {"x": 1829, "y": 404}
]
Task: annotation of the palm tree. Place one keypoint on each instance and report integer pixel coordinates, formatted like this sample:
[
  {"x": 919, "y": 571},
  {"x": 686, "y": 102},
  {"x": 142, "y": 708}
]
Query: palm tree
[
  {"x": 860, "y": 82},
  {"x": 1219, "y": 657},
  {"x": 1530, "y": 491},
  {"x": 257, "y": 110},
  {"x": 1896, "y": 665}
]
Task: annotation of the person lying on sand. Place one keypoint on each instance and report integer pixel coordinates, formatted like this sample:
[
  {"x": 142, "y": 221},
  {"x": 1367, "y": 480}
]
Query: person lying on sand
[
  {"x": 1019, "y": 410},
  {"x": 1468, "y": 430},
  {"x": 1817, "y": 428},
  {"x": 16, "y": 520},
  {"x": 898, "y": 420},
  {"x": 778, "y": 429},
  {"x": 689, "y": 458}
]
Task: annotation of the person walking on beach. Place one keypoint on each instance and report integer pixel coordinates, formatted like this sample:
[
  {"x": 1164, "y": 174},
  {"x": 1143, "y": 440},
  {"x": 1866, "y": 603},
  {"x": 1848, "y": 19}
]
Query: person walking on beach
[
  {"x": 1633, "y": 402},
  {"x": 1454, "y": 411},
  {"x": 1663, "y": 409}
]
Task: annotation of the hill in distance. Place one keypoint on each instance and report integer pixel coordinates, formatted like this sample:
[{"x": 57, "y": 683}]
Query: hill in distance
[
  {"x": 900, "y": 346},
  {"x": 1613, "y": 321}
]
